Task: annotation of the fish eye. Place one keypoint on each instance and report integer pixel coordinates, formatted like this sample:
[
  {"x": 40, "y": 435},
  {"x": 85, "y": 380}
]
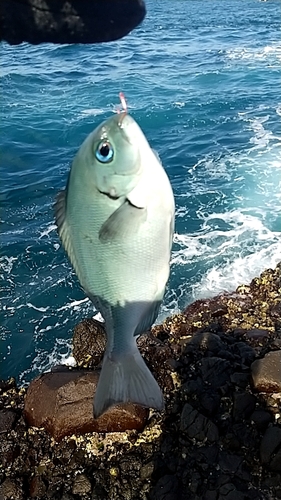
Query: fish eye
[{"x": 104, "y": 152}]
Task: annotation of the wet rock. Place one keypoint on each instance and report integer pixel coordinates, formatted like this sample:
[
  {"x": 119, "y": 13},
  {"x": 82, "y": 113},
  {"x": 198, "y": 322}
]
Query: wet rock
[
  {"x": 229, "y": 492},
  {"x": 7, "y": 420},
  {"x": 240, "y": 379},
  {"x": 62, "y": 403},
  {"x": 261, "y": 418},
  {"x": 89, "y": 342},
  {"x": 210, "y": 402},
  {"x": 210, "y": 495},
  {"x": 195, "y": 425},
  {"x": 276, "y": 313},
  {"x": 81, "y": 485},
  {"x": 270, "y": 449},
  {"x": 257, "y": 335},
  {"x": 207, "y": 341},
  {"x": 218, "y": 309},
  {"x": 229, "y": 463},
  {"x": 266, "y": 372},
  {"x": 243, "y": 405},
  {"x": 215, "y": 371},
  {"x": 275, "y": 464},
  {"x": 37, "y": 487},
  {"x": 5, "y": 385},
  {"x": 9, "y": 489},
  {"x": 246, "y": 352},
  {"x": 147, "y": 470},
  {"x": 167, "y": 488}
]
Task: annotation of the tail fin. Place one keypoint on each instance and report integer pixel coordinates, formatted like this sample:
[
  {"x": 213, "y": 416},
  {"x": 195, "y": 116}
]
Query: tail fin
[{"x": 126, "y": 379}]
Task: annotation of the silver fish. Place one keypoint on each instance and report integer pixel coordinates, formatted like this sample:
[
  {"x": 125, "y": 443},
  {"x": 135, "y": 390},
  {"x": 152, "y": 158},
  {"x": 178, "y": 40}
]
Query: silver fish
[{"x": 116, "y": 222}]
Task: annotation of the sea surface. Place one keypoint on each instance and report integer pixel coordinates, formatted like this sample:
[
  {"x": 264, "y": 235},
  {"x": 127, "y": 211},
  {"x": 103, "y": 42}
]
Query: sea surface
[{"x": 203, "y": 80}]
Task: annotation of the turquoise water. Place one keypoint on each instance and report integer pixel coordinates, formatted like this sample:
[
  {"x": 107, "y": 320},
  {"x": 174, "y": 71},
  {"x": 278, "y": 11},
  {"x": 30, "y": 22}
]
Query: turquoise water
[{"x": 203, "y": 79}]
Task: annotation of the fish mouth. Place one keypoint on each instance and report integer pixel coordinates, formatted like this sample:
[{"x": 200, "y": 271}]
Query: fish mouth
[{"x": 109, "y": 195}]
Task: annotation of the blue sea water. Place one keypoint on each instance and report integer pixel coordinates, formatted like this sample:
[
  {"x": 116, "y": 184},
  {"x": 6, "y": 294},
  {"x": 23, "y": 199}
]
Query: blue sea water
[{"x": 203, "y": 80}]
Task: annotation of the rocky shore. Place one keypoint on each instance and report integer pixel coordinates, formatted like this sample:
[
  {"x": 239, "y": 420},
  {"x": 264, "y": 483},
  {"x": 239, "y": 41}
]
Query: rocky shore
[{"x": 219, "y": 438}]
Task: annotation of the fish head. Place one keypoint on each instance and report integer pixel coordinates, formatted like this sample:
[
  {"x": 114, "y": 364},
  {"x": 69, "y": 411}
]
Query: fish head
[{"x": 113, "y": 155}]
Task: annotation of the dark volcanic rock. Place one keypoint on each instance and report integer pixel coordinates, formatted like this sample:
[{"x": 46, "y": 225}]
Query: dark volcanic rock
[
  {"x": 62, "y": 403},
  {"x": 218, "y": 439},
  {"x": 266, "y": 372},
  {"x": 257, "y": 333},
  {"x": 270, "y": 449},
  {"x": 75, "y": 21},
  {"x": 243, "y": 405},
  {"x": 261, "y": 418},
  {"x": 196, "y": 425},
  {"x": 216, "y": 371},
  {"x": 167, "y": 488}
]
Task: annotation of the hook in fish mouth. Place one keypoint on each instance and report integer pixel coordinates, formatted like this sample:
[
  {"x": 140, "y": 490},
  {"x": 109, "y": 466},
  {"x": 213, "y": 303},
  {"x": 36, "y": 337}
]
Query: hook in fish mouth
[{"x": 124, "y": 109}]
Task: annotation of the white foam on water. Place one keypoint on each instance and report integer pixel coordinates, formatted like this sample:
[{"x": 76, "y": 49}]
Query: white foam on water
[
  {"x": 225, "y": 277},
  {"x": 6, "y": 264},
  {"x": 75, "y": 305},
  {"x": 232, "y": 246},
  {"x": 40, "y": 309},
  {"x": 268, "y": 52},
  {"x": 91, "y": 112},
  {"x": 48, "y": 230},
  {"x": 110, "y": 108},
  {"x": 45, "y": 360}
]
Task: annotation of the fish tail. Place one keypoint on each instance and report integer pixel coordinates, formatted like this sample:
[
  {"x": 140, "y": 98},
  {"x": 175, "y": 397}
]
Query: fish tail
[{"x": 126, "y": 379}]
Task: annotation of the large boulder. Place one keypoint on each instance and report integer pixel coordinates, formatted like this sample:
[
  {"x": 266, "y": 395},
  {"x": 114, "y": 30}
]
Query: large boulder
[
  {"x": 73, "y": 21},
  {"x": 62, "y": 403},
  {"x": 266, "y": 372}
]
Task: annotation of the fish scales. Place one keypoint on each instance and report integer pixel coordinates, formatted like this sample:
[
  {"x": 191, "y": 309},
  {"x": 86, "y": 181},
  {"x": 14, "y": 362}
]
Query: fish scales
[{"x": 116, "y": 220}]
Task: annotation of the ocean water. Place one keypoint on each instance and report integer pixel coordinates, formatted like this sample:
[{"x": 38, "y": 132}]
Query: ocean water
[{"x": 203, "y": 79}]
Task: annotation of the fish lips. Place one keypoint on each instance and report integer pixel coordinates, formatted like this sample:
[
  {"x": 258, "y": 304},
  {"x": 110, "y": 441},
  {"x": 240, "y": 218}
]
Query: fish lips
[{"x": 109, "y": 195}]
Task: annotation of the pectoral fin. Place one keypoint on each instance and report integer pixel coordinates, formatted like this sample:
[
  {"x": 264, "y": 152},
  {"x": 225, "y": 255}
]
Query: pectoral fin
[
  {"x": 60, "y": 210},
  {"x": 124, "y": 222}
]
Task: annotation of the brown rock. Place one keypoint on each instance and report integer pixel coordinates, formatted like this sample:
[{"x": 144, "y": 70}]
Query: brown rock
[
  {"x": 266, "y": 372},
  {"x": 37, "y": 487},
  {"x": 7, "y": 420},
  {"x": 62, "y": 403},
  {"x": 81, "y": 485},
  {"x": 89, "y": 342},
  {"x": 9, "y": 489}
]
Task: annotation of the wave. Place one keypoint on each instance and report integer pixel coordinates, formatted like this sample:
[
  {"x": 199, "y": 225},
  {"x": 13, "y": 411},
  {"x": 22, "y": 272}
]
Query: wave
[{"x": 269, "y": 53}]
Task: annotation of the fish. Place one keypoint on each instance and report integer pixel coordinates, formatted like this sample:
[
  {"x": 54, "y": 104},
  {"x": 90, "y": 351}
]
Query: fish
[{"x": 115, "y": 220}]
